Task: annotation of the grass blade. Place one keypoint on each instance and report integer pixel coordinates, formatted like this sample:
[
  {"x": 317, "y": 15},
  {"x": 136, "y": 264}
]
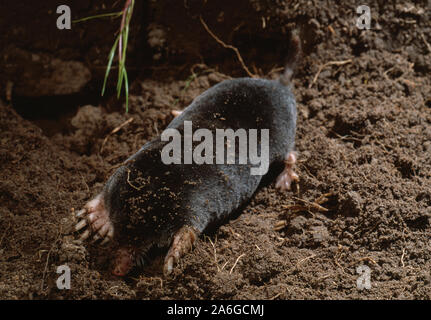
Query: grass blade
[
  {"x": 104, "y": 15},
  {"x": 121, "y": 45},
  {"x": 126, "y": 89},
  {"x": 108, "y": 67},
  {"x": 120, "y": 76}
]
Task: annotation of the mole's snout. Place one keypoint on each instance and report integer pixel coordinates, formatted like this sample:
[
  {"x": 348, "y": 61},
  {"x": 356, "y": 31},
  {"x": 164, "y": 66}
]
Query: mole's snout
[{"x": 124, "y": 261}]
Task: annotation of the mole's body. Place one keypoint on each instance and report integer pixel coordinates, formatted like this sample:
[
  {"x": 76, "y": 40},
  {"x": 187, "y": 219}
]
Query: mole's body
[{"x": 147, "y": 203}]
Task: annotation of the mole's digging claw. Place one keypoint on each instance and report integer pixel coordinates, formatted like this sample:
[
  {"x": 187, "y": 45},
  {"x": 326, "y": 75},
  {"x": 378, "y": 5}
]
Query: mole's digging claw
[
  {"x": 81, "y": 224},
  {"x": 169, "y": 264},
  {"x": 182, "y": 243},
  {"x": 85, "y": 235},
  {"x": 81, "y": 213},
  {"x": 96, "y": 237},
  {"x": 103, "y": 233},
  {"x": 105, "y": 241}
]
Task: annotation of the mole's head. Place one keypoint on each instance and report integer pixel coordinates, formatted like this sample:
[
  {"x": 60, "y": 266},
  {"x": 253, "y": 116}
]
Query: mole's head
[
  {"x": 106, "y": 218},
  {"x": 139, "y": 210},
  {"x": 125, "y": 260},
  {"x": 125, "y": 202},
  {"x": 134, "y": 212}
]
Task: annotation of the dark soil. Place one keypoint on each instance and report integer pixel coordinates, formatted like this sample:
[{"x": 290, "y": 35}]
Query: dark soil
[{"x": 363, "y": 139}]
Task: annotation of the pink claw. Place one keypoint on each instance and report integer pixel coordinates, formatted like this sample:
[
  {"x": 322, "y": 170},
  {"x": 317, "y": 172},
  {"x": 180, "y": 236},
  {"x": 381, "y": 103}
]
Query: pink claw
[{"x": 285, "y": 179}]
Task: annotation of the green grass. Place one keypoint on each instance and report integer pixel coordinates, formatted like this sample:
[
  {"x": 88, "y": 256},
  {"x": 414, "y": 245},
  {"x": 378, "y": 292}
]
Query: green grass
[
  {"x": 189, "y": 80},
  {"x": 120, "y": 46},
  {"x": 104, "y": 15}
]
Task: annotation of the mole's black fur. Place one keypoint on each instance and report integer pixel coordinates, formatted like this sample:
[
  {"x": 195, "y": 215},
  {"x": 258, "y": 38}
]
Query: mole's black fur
[
  {"x": 154, "y": 200},
  {"x": 148, "y": 202}
]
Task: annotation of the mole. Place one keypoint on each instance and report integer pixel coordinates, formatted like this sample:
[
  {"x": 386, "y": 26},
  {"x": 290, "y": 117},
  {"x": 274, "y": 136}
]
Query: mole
[{"x": 150, "y": 203}]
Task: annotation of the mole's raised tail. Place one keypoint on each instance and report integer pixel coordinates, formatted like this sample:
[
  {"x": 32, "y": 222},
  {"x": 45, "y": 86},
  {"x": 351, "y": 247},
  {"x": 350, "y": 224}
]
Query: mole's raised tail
[{"x": 293, "y": 57}]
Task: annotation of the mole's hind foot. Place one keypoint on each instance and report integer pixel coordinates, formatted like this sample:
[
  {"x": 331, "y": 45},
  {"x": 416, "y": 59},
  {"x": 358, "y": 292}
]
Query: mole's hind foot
[
  {"x": 94, "y": 219},
  {"x": 285, "y": 179},
  {"x": 182, "y": 243}
]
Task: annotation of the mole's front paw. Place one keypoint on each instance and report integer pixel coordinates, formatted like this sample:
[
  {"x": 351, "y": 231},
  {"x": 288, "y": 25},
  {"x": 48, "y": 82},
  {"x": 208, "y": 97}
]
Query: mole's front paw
[
  {"x": 182, "y": 243},
  {"x": 95, "y": 219},
  {"x": 285, "y": 179}
]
